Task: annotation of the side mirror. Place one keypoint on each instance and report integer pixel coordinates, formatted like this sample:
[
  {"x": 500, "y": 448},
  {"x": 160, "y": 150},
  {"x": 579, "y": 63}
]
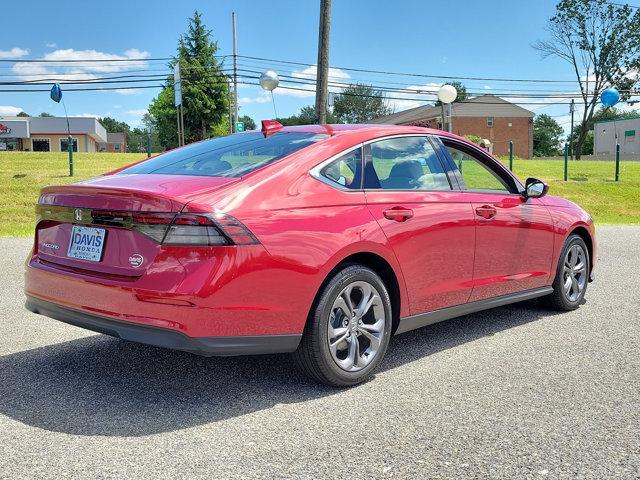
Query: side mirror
[{"x": 535, "y": 188}]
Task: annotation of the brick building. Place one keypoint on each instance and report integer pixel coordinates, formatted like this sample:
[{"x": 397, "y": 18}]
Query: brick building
[
  {"x": 116, "y": 142},
  {"x": 487, "y": 116}
]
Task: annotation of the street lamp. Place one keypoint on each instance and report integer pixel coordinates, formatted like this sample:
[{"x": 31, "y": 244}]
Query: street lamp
[
  {"x": 447, "y": 94},
  {"x": 269, "y": 82}
]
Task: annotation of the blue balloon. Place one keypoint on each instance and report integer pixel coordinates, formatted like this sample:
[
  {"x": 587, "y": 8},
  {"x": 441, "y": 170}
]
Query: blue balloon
[
  {"x": 610, "y": 97},
  {"x": 56, "y": 93}
]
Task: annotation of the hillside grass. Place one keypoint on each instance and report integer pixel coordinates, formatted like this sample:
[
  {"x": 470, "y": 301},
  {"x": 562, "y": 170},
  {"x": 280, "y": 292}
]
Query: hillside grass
[{"x": 591, "y": 183}]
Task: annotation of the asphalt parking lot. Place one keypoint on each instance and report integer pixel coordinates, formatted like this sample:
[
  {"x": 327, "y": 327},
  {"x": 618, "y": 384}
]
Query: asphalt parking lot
[{"x": 515, "y": 392}]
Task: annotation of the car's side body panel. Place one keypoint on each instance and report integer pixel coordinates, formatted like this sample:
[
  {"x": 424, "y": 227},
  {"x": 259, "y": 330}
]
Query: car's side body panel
[{"x": 444, "y": 257}]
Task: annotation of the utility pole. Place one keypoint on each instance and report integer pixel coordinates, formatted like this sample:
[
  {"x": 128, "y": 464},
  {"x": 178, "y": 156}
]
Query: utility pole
[
  {"x": 322, "y": 78},
  {"x": 235, "y": 71},
  {"x": 229, "y": 100},
  {"x": 571, "y": 109}
]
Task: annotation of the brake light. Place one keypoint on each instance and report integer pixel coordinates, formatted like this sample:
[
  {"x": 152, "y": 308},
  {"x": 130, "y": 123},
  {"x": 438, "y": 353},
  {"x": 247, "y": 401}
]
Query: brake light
[{"x": 181, "y": 228}]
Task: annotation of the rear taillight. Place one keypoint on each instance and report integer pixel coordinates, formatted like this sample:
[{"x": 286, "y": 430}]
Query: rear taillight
[{"x": 181, "y": 228}]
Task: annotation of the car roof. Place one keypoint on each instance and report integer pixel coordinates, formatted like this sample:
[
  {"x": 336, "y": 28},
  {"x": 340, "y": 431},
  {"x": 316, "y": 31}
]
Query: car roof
[{"x": 374, "y": 129}]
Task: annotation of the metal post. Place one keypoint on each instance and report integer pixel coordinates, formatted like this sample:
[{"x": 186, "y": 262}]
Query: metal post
[
  {"x": 322, "y": 74},
  {"x": 571, "y": 109},
  {"x": 182, "y": 123},
  {"x": 510, "y": 155},
  {"x": 449, "y": 113},
  {"x": 442, "y": 127},
  {"x": 235, "y": 72},
  {"x": 617, "y": 162},
  {"x": 148, "y": 142},
  {"x": 70, "y": 148},
  {"x": 178, "y": 123},
  {"x": 230, "y": 111},
  {"x": 566, "y": 161}
]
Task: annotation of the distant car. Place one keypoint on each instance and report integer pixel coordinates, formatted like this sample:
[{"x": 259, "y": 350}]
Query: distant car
[{"x": 318, "y": 240}]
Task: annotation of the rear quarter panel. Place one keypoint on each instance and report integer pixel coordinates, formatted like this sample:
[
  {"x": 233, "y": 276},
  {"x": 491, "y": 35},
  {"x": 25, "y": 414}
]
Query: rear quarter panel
[{"x": 306, "y": 226}]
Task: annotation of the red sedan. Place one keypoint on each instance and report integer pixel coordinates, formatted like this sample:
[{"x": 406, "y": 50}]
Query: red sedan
[{"x": 319, "y": 240}]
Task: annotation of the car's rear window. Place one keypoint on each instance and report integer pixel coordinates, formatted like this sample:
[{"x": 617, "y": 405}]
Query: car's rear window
[{"x": 230, "y": 156}]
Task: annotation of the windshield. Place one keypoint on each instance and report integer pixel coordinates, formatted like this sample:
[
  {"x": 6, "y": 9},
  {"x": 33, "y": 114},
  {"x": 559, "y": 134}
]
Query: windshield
[{"x": 230, "y": 156}]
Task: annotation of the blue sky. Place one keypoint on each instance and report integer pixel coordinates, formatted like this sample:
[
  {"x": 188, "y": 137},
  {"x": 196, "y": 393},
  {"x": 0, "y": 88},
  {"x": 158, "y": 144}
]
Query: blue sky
[{"x": 460, "y": 38}]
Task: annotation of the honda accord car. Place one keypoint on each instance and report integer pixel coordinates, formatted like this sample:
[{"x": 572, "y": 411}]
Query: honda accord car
[{"x": 323, "y": 241}]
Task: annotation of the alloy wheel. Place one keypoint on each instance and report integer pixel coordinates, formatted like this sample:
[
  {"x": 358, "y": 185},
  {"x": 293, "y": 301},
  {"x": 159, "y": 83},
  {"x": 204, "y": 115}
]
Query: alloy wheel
[
  {"x": 575, "y": 272},
  {"x": 356, "y": 326}
]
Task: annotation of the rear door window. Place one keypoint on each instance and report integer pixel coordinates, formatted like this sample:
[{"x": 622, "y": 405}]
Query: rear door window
[{"x": 405, "y": 163}]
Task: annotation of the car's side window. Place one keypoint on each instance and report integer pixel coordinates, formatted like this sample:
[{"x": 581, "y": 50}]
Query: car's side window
[
  {"x": 404, "y": 163},
  {"x": 476, "y": 175},
  {"x": 346, "y": 170}
]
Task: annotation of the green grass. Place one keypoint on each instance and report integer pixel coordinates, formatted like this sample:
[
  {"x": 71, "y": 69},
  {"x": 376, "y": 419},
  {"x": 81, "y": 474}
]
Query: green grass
[
  {"x": 590, "y": 184},
  {"x": 23, "y": 174}
]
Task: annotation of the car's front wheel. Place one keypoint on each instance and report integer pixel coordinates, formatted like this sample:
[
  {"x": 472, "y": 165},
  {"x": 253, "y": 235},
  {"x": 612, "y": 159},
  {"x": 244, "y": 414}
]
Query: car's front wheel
[
  {"x": 572, "y": 275},
  {"x": 348, "y": 330}
]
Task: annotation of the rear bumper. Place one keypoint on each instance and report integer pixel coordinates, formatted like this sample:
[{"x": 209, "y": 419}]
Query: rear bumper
[{"x": 162, "y": 337}]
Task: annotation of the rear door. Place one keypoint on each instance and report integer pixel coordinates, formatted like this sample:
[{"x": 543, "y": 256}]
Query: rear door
[
  {"x": 429, "y": 225},
  {"x": 514, "y": 235}
]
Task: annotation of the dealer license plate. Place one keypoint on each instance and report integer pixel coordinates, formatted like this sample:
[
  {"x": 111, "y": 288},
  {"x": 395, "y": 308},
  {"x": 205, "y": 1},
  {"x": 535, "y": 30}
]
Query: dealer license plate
[{"x": 86, "y": 243}]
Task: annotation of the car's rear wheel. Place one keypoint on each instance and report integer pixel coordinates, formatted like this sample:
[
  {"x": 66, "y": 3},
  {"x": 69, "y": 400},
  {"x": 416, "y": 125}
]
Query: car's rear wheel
[
  {"x": 572, "y": 276},
  {"x": 348, "y": 330}
]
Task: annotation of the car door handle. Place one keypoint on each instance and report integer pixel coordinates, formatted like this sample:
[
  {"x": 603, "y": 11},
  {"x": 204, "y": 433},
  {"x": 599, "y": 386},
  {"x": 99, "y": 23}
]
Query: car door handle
[
  {"x": 486, "y": 211},
  {"x": 399, "y": 214}
]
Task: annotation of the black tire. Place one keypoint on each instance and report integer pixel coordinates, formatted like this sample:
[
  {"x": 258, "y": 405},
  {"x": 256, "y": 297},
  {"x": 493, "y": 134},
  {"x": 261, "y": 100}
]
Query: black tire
[
  {"x": 313, "y": 355},
  {"x": 559, "y": 299}
]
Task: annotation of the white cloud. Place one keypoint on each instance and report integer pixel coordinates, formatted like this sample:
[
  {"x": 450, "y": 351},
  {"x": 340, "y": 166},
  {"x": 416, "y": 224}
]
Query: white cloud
[
  {"x": 416, "y": 92},
  {"x": 137, "y": 112},
  {"x": 130, "y": 91},
  {"x": 77, "y": 70},
  {"x": 51, "y": 45},
  {"x": 93, "y": 115},
  {"x": 9, "y": 110},
  {"x": 14, "y": 53},
  {"x": 263, "y": 97},
  {"x": 337, "y": 77}
]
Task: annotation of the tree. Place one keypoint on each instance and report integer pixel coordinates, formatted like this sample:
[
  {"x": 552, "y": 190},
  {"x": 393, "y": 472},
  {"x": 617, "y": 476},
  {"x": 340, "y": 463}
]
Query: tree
[
  {"x": 462, "y": 93},
  {"x": 23, "y": 114},
  {"x": 45, "y": 114},
  {"x": 249, "y": 124},
  {"x": 359, "y": 103},
  {"x": 112, "y": 125},
  {"x": 601, "y": 42},
  {"x": 204, "y": 90},
  {"x": 547, "y": 136},
  {"x": 307, "y": 116},
  {"x": 604, "y": 113}
]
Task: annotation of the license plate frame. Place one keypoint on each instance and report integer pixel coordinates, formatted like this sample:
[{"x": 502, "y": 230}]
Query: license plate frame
[{"x": 86, "y": 243}]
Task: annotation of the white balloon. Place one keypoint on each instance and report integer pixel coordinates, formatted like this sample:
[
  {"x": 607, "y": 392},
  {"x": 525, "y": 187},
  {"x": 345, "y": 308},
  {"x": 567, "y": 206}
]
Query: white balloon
[
  {"x": 447, "y": 93},
  {"x": 269, "y": 80}
]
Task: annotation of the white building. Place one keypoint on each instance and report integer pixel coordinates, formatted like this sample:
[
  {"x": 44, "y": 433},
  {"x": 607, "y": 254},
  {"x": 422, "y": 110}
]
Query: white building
[
  {"x": 49, "y": 134},
  {"x": 628, "y": 135}
]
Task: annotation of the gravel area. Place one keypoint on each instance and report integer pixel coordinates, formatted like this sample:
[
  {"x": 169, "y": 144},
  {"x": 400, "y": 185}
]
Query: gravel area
[{"x": 514, "y": 392}]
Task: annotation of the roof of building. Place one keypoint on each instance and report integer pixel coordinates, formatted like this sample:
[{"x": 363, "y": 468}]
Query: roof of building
[
  {"x": 618, "y": 120},
  {"x": 58, "y": 126},
  {"x": 482, "y": 106},
  {"x": 117, "y": 137}
]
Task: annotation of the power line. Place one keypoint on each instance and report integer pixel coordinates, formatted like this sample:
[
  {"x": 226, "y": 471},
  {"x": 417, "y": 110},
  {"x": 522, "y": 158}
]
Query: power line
[
  {"x": 94, "y": 60},
  {"x": 421, "y": 75}
]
